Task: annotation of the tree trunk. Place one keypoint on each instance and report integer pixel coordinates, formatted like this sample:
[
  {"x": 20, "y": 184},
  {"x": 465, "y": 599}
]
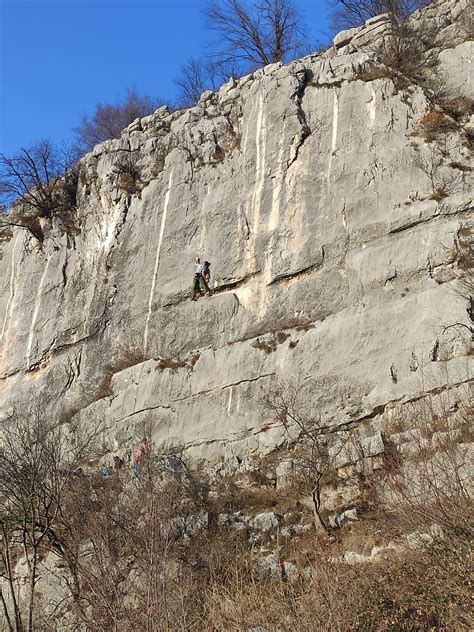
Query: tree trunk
[{"x": 316, "y": 497}]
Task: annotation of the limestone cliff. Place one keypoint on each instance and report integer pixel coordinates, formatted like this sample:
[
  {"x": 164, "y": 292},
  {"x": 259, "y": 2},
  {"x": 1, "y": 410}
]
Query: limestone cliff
[{"x": 335, "y": 256}]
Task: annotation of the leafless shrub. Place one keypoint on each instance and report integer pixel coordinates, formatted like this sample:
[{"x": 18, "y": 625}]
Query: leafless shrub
[
  {"x": 38, "y": 183},
  {"x": 109, "y": 120},
  {"x": 139, "y": 559},
  {"x": 197, "y": 75},
  {"x": 429, "y": 159},
  {"x": 39, "y": 463},
  {"x": 431, "y": 126},
  {"x": 133, "y": 570},
  {"x": 428, "y": 480},
  {"x": 255, "y": 34},
  {"x": 127, "y": 176},
  {"x": 349, "y": 13},
  {"x": 288, "y": 407},
  {"x": 406, "y": 51},
  {"x": 463, "y": 257},
  {"x": 267, "y": 346},
  {"x": 458, "y": 108}
]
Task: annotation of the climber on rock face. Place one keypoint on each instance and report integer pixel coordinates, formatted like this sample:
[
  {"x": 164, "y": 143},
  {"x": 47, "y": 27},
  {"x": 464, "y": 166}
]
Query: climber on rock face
[
  {"x": 199, "y": 280},
  {"x": 206, "y": 277}
]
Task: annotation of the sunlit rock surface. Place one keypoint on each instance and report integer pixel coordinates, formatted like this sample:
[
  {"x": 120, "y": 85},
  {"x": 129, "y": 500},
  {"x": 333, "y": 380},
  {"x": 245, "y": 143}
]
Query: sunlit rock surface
[{"x": 306, "y": 186}]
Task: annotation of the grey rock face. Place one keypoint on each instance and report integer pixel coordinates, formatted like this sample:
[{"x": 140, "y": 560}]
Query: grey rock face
[
  {"x": 266, "y": 521},
  {"x": 345, "y": 517},
  {"x": 305, "y": 187}
]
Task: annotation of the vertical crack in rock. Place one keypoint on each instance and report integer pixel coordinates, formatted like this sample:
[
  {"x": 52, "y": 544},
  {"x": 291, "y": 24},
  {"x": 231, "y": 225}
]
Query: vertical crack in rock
[
  {"x": 64, "y": 270},
  {"x": 304, "y": 77}
]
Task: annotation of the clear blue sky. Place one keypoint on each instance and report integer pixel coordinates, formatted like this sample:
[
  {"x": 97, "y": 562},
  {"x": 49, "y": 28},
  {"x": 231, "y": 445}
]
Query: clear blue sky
[{"x": 61, "y": 57}]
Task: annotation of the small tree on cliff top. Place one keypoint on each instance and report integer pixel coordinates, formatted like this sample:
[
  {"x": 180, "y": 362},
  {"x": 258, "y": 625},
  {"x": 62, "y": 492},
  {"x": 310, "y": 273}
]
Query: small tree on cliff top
[
  {"x": 109, "y": 119},
  {"x": 350, "y": 13},
  {"x": 37, "y": 182},
  {"x": 255, "y": 33}
]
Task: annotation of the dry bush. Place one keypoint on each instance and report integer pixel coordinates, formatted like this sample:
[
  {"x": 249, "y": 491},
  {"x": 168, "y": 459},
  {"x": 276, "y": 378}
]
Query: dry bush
[
  {"x": 420, "y": 590},
  {"x": 402, "y": 51},
  {"x": 288, "y": 406},
  {"x": 172, "y": 364},
  {"x": 351, "y": 13},
  {"x": 424, "y": 586},
  {"x": 128, "y": 354},
  {"x": 267, "y": 346},
  {"x": 138, "y": 558},
  {"x": 429, "y": 482},
  {"x": 128, "y": 177},
  {"x": 443, "y": 182},
  {"x": 109, "y": 120},
  {"x": 131, "y": 567},
  {"x": 458, "y": 108},
  {"x": 431, "y": 126},
  {"x": 39, "y": 465},
  {"x": 40, "y": 182}
]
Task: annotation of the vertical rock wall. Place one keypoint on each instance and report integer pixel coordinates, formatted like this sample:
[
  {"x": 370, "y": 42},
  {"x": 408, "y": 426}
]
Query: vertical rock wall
[{"x": 307, "y": 188}]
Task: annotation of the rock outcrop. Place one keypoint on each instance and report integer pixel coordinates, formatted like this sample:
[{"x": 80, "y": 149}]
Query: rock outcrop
[{"x": 334, "y": 249}]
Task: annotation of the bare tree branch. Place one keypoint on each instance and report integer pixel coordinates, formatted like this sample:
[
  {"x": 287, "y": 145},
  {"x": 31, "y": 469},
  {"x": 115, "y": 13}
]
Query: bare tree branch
[
  {"x": 255, "y": 34},
  {"x": 109, "y": 120}
]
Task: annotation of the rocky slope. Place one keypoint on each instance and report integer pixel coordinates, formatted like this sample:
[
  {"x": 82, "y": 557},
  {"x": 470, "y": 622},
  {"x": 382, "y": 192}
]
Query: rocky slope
[{"x": 335, "y": 257}]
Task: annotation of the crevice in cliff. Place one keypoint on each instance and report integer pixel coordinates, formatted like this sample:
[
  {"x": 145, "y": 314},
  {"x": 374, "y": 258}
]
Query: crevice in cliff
[
  {"x": 232, "y": 285},
  {"x": 144, "y": 410},
  {"x": 247, "y": 381},
  {"x": 304, "y": 77},
  {"x": 64, "y": 270},
  {"x": 288, "y": 276},
  {"x": 224, "y": 387}
]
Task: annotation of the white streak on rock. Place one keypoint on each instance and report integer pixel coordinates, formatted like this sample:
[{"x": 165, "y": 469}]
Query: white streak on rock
[
  {"x": 157, "y": 258},
  {"x": 12, "y": 287},
  {"x": 260, "y": 141},
  {"x": 39, "y": 293},
  {"x": 110, "y": 227},
  {"x": 203, "y": 224},
  {"x": 274, "y": 218},
  {"x": 229, "y": 404},
  {"x": 335, "y": 115},
  {"x": 371, "y": 107}
]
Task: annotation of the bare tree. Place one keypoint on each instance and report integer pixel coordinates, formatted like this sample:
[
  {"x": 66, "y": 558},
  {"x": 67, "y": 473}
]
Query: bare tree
[
  {"x": 350, "y": 13},
  {"x": 37, "y": 183},
  {"x": 430, "y": 483},
  {"x": 109, "y": 119},
  {"x": 198, "y": 75},
  {"x": 256, "y": 33},
  {"x": 125, "y": 536},
  {"x": 38, "y": 463},
  {"x": 443, "y": 180},
  {"x": 288, "y": 407},
  {"x": 35, "y": 176},
  {"x": 462, "y": 257}
]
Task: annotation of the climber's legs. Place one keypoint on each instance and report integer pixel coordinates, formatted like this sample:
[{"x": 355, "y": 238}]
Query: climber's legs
[
  {"x": 196, "y": 286},
  {"x": 204, "y": 286}
]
